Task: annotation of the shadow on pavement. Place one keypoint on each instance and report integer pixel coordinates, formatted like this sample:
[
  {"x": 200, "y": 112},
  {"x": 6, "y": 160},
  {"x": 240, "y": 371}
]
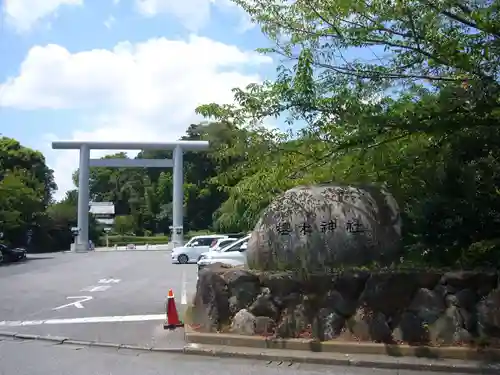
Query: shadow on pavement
[
  {"x": 24, "y": 261},
  {"x": 34, "y": 257},
  {"x": 144, "y": 334}
]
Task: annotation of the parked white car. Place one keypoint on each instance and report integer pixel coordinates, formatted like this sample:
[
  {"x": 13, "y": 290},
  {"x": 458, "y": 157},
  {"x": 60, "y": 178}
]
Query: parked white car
[
  {"x": 234, "y": 255},
  {"x": 191, "y": 252},
  {"x": 219, "y": 244}
]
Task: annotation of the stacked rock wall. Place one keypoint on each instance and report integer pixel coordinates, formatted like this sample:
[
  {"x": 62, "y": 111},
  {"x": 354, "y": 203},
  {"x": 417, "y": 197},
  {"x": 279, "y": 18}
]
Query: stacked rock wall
[{"x": 414, "y": 307}]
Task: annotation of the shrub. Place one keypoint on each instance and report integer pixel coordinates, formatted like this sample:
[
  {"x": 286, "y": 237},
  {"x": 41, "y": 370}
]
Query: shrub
[
  {"x": 136, "y": 240},
  {"x": 191, "y": 234}
]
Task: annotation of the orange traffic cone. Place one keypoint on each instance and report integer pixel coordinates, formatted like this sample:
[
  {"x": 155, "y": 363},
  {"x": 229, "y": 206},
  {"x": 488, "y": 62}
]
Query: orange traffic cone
[{"x": 173, "y": 320}]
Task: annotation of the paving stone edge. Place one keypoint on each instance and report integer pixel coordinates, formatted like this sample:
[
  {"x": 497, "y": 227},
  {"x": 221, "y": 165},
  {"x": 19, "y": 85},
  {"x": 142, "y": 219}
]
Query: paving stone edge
[
  {"x": 378, "y": 364},
  {"x": 404, "y": 354},
  {"x": 344, "y": 347}
]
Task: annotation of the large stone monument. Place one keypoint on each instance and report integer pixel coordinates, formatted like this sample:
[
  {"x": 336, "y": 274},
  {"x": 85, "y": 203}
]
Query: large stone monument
[{"x": 317, "y": 228}]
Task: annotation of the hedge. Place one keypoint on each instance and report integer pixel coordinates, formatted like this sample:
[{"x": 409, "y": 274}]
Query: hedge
[
  {"x": 152, "y": 240},
  {"x": 192, "y": 233},
  {"x": 125, "y": 240}
]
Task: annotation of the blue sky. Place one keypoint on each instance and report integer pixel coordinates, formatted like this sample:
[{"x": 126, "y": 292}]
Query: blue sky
[{"x": 125, "y": 70}]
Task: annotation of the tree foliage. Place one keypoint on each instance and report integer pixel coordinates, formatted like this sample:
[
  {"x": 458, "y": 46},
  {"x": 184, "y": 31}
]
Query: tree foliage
[
  {"x": 403, "y": 93},
  {"x": 143, "y": 196},
  {"x": 28, "y": 215}
]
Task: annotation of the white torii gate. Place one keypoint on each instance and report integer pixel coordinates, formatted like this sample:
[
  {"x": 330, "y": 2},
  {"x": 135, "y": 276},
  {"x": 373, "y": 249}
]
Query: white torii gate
[{"x": 82, "y": 242}]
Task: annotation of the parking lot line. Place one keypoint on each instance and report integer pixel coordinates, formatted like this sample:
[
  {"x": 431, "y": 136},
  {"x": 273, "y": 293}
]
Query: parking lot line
[{"x": 94, "y": 319}]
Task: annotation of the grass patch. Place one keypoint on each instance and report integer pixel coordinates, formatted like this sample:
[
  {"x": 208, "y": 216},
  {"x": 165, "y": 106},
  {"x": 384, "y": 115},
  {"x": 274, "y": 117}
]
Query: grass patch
[{"x": 187, "y": 316}]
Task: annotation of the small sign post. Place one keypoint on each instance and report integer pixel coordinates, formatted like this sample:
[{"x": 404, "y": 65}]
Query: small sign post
[{"x": 107, "y": 230}]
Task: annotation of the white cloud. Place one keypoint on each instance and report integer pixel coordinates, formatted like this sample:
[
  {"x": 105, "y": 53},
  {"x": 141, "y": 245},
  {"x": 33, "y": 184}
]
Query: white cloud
[
  {"x": 110, "y": 21},
  {"x": 194, "y": 14},
  {"x": 24, "y": 14},
  {"x": 134, "y": 92}
]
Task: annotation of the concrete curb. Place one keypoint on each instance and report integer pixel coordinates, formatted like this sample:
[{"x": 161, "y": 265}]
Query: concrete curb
[
  {"x": 68, "y": 341},
  {"x": 309, "y": 345},
  {"x": 332, "y": 361},
  {"x": 278, "y": 355},
  {"x": 401, "y": 357}
]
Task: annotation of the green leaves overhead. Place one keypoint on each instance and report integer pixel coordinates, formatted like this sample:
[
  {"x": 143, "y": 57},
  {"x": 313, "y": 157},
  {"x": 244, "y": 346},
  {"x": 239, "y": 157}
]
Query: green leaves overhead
[
  {"x": 443, "y": 40},
  {"x": 401, "y": 93}
]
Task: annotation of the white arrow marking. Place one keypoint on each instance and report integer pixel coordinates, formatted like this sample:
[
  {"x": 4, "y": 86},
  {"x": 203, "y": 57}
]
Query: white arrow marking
[
  {"x": 98, "y": 288},
  {"x": 77, "y": 304},
  {"x": 109, "y": 281}
]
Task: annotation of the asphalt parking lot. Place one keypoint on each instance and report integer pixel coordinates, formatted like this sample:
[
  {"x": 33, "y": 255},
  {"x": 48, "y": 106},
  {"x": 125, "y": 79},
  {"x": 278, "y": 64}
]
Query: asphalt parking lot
[{"x": 114, "y": 297}]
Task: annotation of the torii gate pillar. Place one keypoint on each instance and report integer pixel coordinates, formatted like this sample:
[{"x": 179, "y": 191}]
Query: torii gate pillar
[{"x": 178, "y": 147}]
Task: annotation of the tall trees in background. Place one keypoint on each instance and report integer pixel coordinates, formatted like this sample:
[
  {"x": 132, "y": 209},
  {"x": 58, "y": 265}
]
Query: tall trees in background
[
  {"x": 26, "y": 187},
  {"x": 28, "y": 215},
  {"x": 143, "y": 196},
  {"x": 401, "y": 93}
]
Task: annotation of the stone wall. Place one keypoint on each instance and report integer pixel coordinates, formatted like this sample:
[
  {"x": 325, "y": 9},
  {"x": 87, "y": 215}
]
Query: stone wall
[{"x": 414, "y": 307}]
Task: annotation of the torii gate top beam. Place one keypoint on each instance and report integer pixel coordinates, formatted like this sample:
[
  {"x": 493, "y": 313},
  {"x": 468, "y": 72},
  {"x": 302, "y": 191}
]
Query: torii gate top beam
[{"x": 96, "y": 145}]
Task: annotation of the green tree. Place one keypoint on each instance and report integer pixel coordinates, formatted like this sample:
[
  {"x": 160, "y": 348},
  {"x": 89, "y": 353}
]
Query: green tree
[
  {"x": 59, "y": 218},
  {"x": 20, "y": 206},
  {"x": 420, "y": 114},
  {"x": 26, "y": 187},
  {"x": 13, "y": 156},
  {"x": 145, "y": 194},
  {"x": 124, "y": 224},
  {"x": 26, "y": 205}
]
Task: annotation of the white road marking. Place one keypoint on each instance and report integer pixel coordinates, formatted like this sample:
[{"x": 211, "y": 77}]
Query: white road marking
[
  {"x": 183, "y": 290},
  {"x": 109, "y": 281},
  {"x": 94, "y": 319},
  {"x": 77, "y": 304},
  {"x": 98, "y": 288}
]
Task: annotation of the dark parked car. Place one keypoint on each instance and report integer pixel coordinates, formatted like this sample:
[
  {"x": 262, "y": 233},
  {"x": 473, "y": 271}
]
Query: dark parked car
[{"x": 12, "y": 254}]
